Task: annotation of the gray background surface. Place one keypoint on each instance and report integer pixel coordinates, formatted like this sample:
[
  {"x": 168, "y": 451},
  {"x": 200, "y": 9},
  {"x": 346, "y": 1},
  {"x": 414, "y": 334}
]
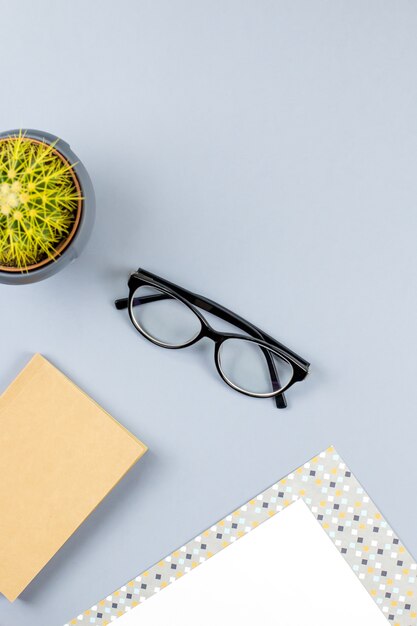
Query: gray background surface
[{"x": 265, "y": 154}]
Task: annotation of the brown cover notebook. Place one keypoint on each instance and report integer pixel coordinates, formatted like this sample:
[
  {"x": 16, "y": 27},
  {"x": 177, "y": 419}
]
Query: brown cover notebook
[{"x": 60, "y": 455}]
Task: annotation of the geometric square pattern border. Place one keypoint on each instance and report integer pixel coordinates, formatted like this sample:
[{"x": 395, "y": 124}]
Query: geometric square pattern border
[{"x": 340, "y": 505}]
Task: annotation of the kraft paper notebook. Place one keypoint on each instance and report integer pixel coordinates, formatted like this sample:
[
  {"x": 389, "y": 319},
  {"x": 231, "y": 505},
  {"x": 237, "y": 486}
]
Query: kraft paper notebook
[{"x": 60, "y": 455}]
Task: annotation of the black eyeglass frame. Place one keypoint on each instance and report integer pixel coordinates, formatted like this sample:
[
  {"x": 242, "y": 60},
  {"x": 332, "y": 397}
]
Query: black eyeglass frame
[{"x": 192, "y": 300}]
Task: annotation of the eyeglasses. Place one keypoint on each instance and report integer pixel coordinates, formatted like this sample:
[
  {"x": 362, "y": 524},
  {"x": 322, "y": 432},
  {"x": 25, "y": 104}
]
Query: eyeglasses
[{"x": 254, "y": 364}]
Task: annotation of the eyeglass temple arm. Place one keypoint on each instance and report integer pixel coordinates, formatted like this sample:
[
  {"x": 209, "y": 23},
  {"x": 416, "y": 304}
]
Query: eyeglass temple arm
[
  {"x": 280, "y": 400},
  {"x": 123, "y": 303}
]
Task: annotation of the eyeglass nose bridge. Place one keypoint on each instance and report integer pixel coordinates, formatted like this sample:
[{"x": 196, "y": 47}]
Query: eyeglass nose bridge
[{"x": 212, "y": 333}]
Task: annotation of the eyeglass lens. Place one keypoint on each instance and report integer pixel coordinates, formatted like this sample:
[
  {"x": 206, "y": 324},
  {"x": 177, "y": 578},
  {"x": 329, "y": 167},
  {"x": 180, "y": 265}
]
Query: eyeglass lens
[
  {"x": 162, "y": 318},
  {"x": 245, "y": 366}
]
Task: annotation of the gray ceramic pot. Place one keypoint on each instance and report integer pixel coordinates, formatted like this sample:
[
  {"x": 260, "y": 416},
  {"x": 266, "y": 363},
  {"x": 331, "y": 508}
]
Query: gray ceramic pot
[{"x": 85, "y": 224}]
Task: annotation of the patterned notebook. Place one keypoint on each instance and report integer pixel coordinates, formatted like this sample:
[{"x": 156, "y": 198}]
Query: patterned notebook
[{"x": 353, "y": 524}]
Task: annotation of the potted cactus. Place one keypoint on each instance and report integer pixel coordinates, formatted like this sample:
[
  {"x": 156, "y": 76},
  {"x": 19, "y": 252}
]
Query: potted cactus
[{"x": 47, "y": 206}]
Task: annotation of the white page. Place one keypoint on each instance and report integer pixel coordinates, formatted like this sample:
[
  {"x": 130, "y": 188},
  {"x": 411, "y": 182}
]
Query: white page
[{"x": 286, "y": 572}]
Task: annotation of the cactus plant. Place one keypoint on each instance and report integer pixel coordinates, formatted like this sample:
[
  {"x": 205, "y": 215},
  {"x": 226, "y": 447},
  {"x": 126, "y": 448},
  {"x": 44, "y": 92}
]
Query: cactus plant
[{"x": 39, "y": 202}]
